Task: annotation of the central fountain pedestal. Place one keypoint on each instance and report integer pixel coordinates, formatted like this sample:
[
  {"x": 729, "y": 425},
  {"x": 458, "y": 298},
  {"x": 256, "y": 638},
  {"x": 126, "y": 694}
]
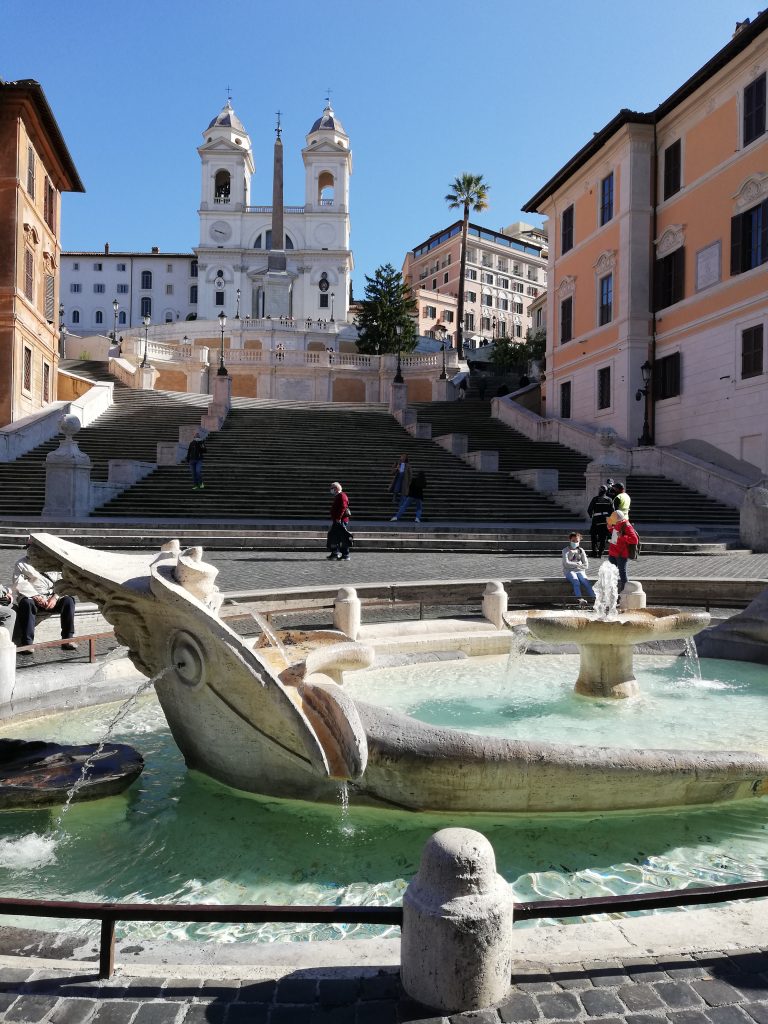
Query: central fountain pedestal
[{"x": 606, "y": 671}]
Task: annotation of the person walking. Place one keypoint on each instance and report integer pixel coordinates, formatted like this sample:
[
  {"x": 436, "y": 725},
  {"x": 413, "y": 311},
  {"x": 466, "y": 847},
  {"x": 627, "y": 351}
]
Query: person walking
[
  {"x": 415, "y": 493},
  {"x": 33, "y": 593},
  {"x": 339, "y": 537},
  {"x": 575, "y": 565},
  {"x": 400, "y": 480},
  {"x": 622, "y": 535},
  {"x": 598, "y": 510},
  {"x": 195, "y": 453}
]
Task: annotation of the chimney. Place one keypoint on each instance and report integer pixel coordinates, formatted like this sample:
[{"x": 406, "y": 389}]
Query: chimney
[
  {"x": 740, "y": 26},
  {"x": 155, "y": 250},
  {"x": 106, "y": 248}
]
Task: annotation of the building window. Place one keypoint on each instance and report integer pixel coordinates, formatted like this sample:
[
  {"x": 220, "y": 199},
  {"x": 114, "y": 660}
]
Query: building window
[
  {"x": 752, "y": 351},
  {"x": 122, "y": 318},
  {"x": 122, "y": 289},
  {"x": 193, "y": 268},
  {"x": 666, "y": 376},
  {"x": 146, "y": 306},
  {"x": 486, "y": 260},
  {"x": 324, "y": 300},
  {"x": 487, "y": 278},
  {"x": 518, "y": 330},
  {"x": 98, "y": 267},
  {"x": 448, "y": 316},
  {"x": 502, "y": 304},
  {"x": 533, "y": 274},
  {"x": 754, "y": 110},
  {"x": 565, "y": 400},
  {"x": 533, "y": 292},
  {"x": 46, "y": 382},
  {"x": 121, "y": 268},
  {"x": 434, "y": 283},
  {"x": 672, "y": 169},
  {"x": 470, "y": 274},
  {"x": 49, "y": 204},
  {"x": 469, "y": 321},
  {"x": 604, "y": 388},
  {"x": 502, "y": 264},
  {"x": 26, "y": 381},
  {"x": 445, "y": 278},
  {"x": 470, "y": 296},
  {"x": 485, "y": 323},
  {"x": 517, "y": 307},
  {"x": 99, "y": 317},
  {"x": 606, "y": 199},
  {"x": 430, "y": 312},
  {"x": 99, "y": 289},
  {"x": 566, "y": 233},
  {"x": 75, "y": 316},
  {"x": 193, "y": 295},
  {"x": 472, "y": 255},
  {"x": 749, "y": 238},
  {"x": 31, "y": 172},
  {"x": 168, "y": 317},
  {"x": 50, "y": 298},
  {"x": 146, "y": 279},
  {"x": 487, "y": 299},
  {"x": 670, "y": 278},
  {"x": 169, "y": 289},
  {"x": 503, "y": 282},
  {"x": 29, "y": 274},
  {"x": 606, "y": 300},
  {"x": 75, "y": 266},
  {"x": 169, "y": 268},
  {"x": 566, "y": 320}
]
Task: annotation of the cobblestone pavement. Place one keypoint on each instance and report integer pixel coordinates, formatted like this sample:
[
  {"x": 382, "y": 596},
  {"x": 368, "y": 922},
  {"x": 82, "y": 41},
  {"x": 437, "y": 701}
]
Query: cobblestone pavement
[
  {"x": 720, "y": 988},
  {"x": 256, "y": 570}
]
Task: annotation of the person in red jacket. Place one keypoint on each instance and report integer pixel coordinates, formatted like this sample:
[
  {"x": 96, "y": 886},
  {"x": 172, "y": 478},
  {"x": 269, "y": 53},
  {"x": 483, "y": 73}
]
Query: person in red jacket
[
  {"x": 622, "y": 535},
  {"x": 338, "y": 535}
]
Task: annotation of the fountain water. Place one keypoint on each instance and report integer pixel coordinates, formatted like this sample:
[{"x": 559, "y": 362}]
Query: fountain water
[{"x": 606, "y": 591}]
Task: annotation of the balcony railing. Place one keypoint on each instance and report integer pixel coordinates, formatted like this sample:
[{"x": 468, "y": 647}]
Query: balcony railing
[
  {"x": 268, "y": 209},
  {"x": 220, "y": 199}
]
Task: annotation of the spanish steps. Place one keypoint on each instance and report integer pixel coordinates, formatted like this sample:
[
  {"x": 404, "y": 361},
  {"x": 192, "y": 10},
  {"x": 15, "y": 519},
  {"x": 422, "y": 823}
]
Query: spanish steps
[{"x": 275, "y": 460}]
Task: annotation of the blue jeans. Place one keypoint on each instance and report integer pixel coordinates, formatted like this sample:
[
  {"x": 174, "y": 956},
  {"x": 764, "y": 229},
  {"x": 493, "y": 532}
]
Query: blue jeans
[
  {"x": 196, "y": 465},
  {"x": 405, "y": 503},
  {"x": 621, "y": 565},
  {"x": 579, "y": 580}
]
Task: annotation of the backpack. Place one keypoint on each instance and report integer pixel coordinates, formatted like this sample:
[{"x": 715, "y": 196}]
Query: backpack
[{"x": 633, "y": 550}]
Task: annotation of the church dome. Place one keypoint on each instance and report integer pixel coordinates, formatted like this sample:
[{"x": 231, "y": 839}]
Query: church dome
[
  {"x": 228, "y": 119},
  {"x": 328, "y": 122}
]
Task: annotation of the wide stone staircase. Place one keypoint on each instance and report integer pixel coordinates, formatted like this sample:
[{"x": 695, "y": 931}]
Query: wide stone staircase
[{"x": 655, "y": 499}]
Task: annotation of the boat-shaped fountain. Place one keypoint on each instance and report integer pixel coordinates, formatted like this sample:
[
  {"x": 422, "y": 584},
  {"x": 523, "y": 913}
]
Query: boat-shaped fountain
[{"x": 293, "y": 732}]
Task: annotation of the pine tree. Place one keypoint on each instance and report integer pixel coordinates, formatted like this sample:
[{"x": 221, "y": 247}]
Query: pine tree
[{"x": 387, "y": 305}]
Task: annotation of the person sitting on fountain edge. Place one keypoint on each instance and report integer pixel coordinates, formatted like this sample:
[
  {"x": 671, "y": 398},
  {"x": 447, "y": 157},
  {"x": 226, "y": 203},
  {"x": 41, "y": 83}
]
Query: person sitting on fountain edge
[
  {"x": 33, "y": 592},
  {"x": 575, "y": 565},
  {"x": 622, "y": 535}
]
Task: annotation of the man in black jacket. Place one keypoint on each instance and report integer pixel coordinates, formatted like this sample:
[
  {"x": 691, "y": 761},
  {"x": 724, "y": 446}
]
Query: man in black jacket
[
  {"x": 598, "y": 510},
  {"x": 195, "y": 454}
]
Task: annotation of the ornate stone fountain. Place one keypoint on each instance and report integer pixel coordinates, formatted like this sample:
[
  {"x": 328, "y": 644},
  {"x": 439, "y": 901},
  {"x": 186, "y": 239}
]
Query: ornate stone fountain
[{"x": 240, "y": 717}]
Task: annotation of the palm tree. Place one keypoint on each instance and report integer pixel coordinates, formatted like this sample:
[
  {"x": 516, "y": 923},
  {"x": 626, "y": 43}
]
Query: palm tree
[{"x": 468, "y": 190}]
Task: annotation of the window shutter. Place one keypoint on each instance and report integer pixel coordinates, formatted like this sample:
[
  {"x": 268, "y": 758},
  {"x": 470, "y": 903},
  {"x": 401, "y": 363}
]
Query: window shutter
[
  {"x": 49, "y": 297},
  {"x": 764, "y": 232},
  {"x": 736, "y": 235}
]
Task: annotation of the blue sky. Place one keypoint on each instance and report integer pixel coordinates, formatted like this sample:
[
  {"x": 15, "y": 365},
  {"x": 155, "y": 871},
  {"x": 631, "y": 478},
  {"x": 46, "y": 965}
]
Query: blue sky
[{"x": 425, "y": 90}]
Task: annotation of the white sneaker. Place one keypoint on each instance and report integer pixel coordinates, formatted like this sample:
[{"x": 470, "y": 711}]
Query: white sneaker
[
  {"x": 417, "y": 520},
  {"x": 393, "y": 519},
  {"x": 582, "y": 600}
]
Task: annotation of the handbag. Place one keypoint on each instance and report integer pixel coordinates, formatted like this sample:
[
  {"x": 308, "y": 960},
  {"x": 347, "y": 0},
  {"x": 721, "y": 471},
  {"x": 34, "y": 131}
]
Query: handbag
[{"x": 633, "y": 550}]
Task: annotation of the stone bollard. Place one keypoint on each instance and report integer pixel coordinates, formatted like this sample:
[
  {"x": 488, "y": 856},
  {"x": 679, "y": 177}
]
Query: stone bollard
[
  {"x": 7, "y": 666},
  {"x": 456, "y": 949},
  {"x": 495, "y": 603},
  {"x": 632, "y": 596},
  {"x": 347, "y": 612},
  {"x": 67, "y": 476}
]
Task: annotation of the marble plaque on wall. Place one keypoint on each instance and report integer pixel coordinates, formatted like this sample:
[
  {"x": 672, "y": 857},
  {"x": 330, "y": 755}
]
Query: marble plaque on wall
[
  {"x": 295, "y": 389},
  {"x": 707, "y": 266}
]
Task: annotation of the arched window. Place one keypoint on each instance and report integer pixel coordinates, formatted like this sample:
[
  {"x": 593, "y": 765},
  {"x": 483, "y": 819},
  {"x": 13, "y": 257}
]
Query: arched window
[
  {"x": 326, "y": 188},
  {"x": 193, "y": 269},
  {"x": 99, "y": 318},
  {"x": 169, "y": 316},
  {"x": 146, "y": 279},
  {"x": 122, "y": 318},
  {"x": 75, "y": 316},
  {"x": 146, "y": 306},
  {"x": 221, "y": 187},
  {"x": 265, "y": 241},
  {"x": 192, "y": 294}
]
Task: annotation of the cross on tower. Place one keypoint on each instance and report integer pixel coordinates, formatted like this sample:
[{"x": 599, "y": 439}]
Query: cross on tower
[
  {"x": 229, "y": 94},
  {"x": 278, "y": 129},
  {"x": 328, "y": 96}
]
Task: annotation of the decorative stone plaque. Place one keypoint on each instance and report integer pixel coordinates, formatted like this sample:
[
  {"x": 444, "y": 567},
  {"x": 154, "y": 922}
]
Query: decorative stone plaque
[{"x": 707, "y": 266}]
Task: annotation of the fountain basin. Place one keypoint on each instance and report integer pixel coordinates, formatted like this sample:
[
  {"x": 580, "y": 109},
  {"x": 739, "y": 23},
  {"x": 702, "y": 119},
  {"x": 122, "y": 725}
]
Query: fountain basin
[{"x": 606, "y": 645}]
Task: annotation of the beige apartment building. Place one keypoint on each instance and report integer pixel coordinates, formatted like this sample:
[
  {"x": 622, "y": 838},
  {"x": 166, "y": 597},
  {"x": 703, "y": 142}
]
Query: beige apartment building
[{"x": 35, "y": 168}]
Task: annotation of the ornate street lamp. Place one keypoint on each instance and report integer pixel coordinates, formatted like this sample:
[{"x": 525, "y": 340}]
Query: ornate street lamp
[
  {"x": 222, "y": 370},
  {"x": 62, "y": 332},
  {"x": 399, "y": 374},
  {"x": 333, "y": 296},
  {"x": 644, "y": 393},
  {"x": 146, "y": 321},
  {"x": 115, "y": 308},
  {"x": 441, "y": 338},
  {"x": 237, "y": 311}
]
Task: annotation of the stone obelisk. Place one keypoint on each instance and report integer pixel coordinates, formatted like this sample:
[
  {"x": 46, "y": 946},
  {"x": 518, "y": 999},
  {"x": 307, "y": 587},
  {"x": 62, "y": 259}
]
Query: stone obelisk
[{"x": 277, "y": 284}]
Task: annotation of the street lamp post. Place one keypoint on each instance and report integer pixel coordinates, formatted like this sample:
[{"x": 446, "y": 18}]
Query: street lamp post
[
  {"x": 62, "y": 331},
  {"x": 237, "y": 311},
  {"x": 333, "y": 296},
  {"x": 644, "y": 393},
  {"x": 146, "y": 321},
  {"x": 222, "y": 370},
  {"x": 399, "y": 374},
  {"x": 115, "y": 308},
  {"x": 441, "y": 339}
]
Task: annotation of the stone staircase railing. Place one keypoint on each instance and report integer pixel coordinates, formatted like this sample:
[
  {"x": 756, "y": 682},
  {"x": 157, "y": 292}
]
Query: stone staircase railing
[{"x": 23, "y": 435}]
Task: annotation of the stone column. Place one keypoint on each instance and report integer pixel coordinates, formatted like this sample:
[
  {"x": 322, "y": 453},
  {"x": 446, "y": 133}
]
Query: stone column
[
  {"x": 456, "y": 949},
  {"x": 147, "y": 375},
  {"x": 67, "y": 476},
  {"x": 495, "y": 603},
  {"x": 443, "y": 391},
  {"x": 347, "y": 612},
  {"x": 222, "y": 396},
  {"x": 753, "y": 520},
  {"x": 398, "y": 397}
]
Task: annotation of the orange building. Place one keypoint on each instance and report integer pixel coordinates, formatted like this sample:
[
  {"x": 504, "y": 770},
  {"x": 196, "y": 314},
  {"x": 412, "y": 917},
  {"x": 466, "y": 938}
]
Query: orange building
[
  {"x": 658, "y": 232},
  {"x": 35, "y": 168}
]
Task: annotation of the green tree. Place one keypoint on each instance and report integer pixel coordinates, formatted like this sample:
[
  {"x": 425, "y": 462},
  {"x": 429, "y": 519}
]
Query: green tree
[
  {"x": 468, "y": 191},
  {"x": 504, "y": 356},
  {"x": 387, "y": 305}
]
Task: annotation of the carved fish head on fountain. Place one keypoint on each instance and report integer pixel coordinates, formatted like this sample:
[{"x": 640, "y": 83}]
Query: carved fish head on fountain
[
  {"x": 606, "y": 640},
  {"x": 223, "y": 702}
]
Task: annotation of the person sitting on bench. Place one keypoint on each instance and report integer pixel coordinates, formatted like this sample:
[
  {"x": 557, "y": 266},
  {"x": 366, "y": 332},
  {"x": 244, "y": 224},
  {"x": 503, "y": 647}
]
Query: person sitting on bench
[{"x": 33, "y": 593}]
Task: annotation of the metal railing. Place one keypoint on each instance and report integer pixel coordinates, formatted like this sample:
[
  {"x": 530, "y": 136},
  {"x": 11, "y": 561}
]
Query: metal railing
[
  {"x": 108, "y": 914},
  {"x": 90, "y": 637}
]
